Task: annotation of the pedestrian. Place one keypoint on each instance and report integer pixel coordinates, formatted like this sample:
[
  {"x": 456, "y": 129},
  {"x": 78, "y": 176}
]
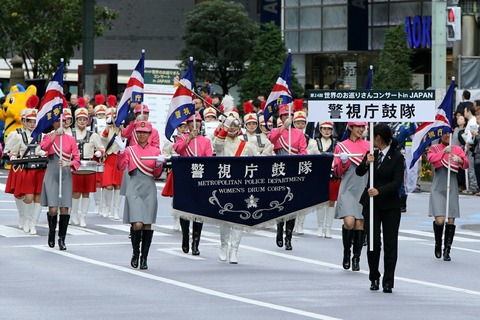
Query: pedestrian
[
  {"x": 389, "y": 167},
  {"x": 285, "y": 143},
  {"x": 351, "y": 188},
  {"x": 442, "y": 156},
  {"x": 141, "y": 201},
  {"x": 63, "y": 155},
  {"x": 192, "y": 145},
  {"x": 228, "y": 143}
]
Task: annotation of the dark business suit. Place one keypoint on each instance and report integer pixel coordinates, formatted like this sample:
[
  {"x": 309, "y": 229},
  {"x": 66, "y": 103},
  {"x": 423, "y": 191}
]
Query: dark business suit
[{"x": 387, "y": 177}]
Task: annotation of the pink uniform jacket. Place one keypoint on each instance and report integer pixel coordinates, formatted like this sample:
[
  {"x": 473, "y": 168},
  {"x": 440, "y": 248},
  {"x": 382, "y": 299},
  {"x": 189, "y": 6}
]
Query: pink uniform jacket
[
  {"x": 129, "y": 133},
  {"x": 349, "y": 146},
  {"x": 280, "y": 140},
  {"x": 438, "y": 158},
  {"x": 204, "y": 146},
  {"x": 132, "y": 158},
  {"x": 69, "y": 148}
]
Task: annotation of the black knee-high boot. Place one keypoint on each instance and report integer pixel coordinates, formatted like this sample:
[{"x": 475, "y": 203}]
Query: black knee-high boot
[
  {"x": 289, "y": 225},
  {"x": 52, "y": 225},
  {"x": 449, "y": 234},
  {"x": 438, "y": 231},
  {"x": 185, "y": 225},
  {"x": 136, "y": 239},
  {"x": 146, "y": 241},
  {"x": 357, "y": 249},
  {"x": 403, "y": 200},
  {"x": 280, "y": 234},
  {"x": 197, "y": 231},
  {"x": 62, "y": 230},
  {"x": 347, "y": 235}
]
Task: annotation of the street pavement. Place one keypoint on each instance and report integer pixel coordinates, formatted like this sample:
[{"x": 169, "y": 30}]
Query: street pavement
[{"x": 93, "y": 278}]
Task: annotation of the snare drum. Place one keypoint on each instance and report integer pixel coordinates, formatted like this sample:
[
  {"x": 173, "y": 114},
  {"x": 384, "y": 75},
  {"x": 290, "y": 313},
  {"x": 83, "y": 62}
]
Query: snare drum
[{"x": 89, "y": 167}]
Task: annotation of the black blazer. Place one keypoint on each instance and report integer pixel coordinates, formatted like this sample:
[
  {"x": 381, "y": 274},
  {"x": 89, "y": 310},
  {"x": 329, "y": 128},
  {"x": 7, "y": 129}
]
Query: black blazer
[{"x": 387, "y": 179}]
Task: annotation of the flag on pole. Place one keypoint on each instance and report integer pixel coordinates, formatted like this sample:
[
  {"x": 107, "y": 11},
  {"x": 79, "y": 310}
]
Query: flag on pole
[
  {"x": 368, "y": 86},
  {"x": 429, "y": 131},
  {"x": 51, "y": 107},
  {"x": 181, "y": 105},
  {"x": 281, "y": 90},
  {"x": 133, "y": 92}
]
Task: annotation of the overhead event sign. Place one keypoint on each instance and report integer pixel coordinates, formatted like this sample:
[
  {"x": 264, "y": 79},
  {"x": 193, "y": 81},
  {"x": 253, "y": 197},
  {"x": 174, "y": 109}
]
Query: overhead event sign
[{"x": 371, "y": 105}]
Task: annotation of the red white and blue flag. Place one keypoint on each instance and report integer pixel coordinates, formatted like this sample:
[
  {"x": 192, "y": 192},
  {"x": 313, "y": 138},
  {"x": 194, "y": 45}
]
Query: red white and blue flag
[
  {"x": 429, "y": 131},
  {"x": 51, "y": 107},
  {"x": 181, "y": 105},
  {"x": 133, "y": 92},
  {"x": 281, "y": 91}
]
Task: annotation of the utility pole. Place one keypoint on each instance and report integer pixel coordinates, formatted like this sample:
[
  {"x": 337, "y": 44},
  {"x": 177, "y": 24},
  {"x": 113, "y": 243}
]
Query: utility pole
[
  {"x": 439, "y": 44},
  {"x": 88, "y": 46}
]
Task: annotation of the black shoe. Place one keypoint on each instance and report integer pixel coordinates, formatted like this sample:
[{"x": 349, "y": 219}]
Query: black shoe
[
  {"x": 387, "y": 288},
  {"x": 279, "y": 237},
  {"x": 355, "y": 263},
  {"x": 143, "y": 263},
  {"x": 403, "y": 209},
  {"x": 61, "y": 244},
  {"x": 288, "y": 244},
  {"x": 195, "y": 251},
  {"x": 374, "y": 285}
]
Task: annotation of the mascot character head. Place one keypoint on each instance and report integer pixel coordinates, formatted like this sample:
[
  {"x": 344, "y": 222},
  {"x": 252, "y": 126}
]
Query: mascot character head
[{"x": 15, "y": 102}]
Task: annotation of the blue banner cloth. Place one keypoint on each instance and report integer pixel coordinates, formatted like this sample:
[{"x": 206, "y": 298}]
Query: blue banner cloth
[{"x": 249, "y": 192}]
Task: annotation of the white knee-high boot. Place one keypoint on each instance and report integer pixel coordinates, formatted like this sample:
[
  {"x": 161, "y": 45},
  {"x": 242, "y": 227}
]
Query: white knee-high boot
[
  {"x": 224, "y": 238},
  {"x": 321, "y": 222},
  {"x": 107, "y": 201},
  {"x": 117, "y": 198},
  {"x": 83, "y": 212},
  {"x": 21, "y": 212},
  {"x": 235, "y": 236},
  {"x": 98, "y": 201},
  {"x": 328, "y": 221},
  {"x": 74, "y": 211},
  {"x": 27, "y": 217},
  {"x": 299, "y": 221},
  {"x": 37, "y": 209}
]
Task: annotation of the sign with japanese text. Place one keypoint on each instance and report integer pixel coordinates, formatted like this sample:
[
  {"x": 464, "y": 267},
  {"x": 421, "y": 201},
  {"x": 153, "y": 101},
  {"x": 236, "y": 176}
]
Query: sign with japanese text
[
  {"x": 371, "y": 105},
  {"x": 249, "y": 192}
]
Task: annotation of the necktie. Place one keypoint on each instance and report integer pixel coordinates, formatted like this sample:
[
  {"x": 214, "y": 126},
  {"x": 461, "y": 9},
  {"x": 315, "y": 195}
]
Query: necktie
[{"x": 379, "y": 159}]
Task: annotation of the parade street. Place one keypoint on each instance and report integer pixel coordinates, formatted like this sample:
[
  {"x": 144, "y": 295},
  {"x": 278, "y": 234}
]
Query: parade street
[{"x": 93, "y": 279}]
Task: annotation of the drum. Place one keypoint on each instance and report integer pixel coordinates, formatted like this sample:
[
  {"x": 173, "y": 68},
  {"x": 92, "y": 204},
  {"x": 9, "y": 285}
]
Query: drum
[{"x": 89, "y": 167}]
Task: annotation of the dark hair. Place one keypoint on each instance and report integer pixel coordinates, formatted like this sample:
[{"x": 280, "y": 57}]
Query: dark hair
[
  {"x": 205, "y": 89},
  {"x": 385, "y": 133},
  {"x": 471, "y": 108},
  {"x": 466, "y": 94},
  {"x": 256, "y": 103}
]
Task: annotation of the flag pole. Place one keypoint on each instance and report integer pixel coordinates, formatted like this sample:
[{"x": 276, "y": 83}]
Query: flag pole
[
  {"x": 370, "y": 172},
  {"x": 61, "y": 153},
  {"x": 447, "y": 200},
  {"x": 195, "y": 119}
]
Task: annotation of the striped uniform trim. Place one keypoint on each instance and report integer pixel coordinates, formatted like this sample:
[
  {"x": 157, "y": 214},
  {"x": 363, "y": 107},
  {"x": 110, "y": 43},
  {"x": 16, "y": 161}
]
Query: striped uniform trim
[
  {"x": 453, "y": 165},
  {"x": 356, "y": 160},
  {"x": 284, "y": 145},
  {"x": 140, "y": 165},
  {"x": 65, "y": 156}
]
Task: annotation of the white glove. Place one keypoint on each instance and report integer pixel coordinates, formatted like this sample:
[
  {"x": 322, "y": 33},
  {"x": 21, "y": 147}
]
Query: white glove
[
  {"x": 42, "y": 153},
  {"x": 228, "y": 122},
  {"x": 344, "y": 157},
  {"x": 121, "y": 144},
  {"x": 65, "y": 163},
  {"x": 109, "y": 120},
  {"x": 455, "y": 158},
  {"x": 141, "y": 117},
  {"x": 98, "y": 154},
  {"x": 160, "y": 160},
  {"x": 13, "y": 157},
  {"x": 59, "y": 131},
  {"x": 287, "y": 123},
  {"x": 447, "y": 149}
]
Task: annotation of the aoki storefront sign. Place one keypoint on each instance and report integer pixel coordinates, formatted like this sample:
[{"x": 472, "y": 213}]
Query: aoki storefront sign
[{"x": 249, "y": 192}]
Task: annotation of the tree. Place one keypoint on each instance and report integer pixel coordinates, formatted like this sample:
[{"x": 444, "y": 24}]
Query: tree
[
  {"x": 43, "y": 32},
  {"x": 394, "y": 71},
  {"x": 266, "y": 65},
  {"x": 220, "y": 37}
]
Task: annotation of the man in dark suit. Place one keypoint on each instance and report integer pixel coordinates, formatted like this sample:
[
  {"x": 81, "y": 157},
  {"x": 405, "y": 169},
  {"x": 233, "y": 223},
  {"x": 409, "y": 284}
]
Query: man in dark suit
[{"x": 389, "y": 166}]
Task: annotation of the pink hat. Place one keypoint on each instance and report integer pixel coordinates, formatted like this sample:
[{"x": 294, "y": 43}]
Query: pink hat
[
  {"x": 359, "y": 124},
  {"x": 284, "y": 109},
  {"x": 138, "y": 108},
  {"x": 143, "y": 126},
  {"x": 198, "y": 117}
]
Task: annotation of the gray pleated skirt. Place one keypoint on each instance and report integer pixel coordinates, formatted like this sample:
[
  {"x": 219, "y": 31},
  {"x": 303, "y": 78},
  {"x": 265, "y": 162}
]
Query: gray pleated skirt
[
  {"x": 351, "y": 189},
  {"x": 140, "y": 199},
  {"x": 438, "y": 195},
  {"x": 50, "y": 186}
]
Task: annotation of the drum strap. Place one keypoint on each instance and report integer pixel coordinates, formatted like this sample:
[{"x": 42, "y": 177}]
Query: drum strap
[
  {"x": 140, "y": 165},
  {"x": 259, "y": 141},
  {"x": 110, "y": 143}
]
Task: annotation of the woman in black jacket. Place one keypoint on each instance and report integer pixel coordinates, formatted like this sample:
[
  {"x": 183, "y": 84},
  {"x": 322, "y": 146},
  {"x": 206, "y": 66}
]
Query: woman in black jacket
[{"x": 389, "y": 166}]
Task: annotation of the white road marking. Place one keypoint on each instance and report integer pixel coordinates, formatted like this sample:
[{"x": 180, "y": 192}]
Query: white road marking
[
  {"x": 189, "y": 286},
  {"x": 177, "y": 252},
  {"x": 431, "y": 235},
  {"x": 11, "y": 232}
]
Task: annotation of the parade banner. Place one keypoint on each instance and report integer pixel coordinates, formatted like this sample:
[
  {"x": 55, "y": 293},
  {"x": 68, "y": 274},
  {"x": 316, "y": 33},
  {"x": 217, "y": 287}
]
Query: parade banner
[
  {"x": 371, "y": 105},
  {"x": 249, "y": 192}
]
